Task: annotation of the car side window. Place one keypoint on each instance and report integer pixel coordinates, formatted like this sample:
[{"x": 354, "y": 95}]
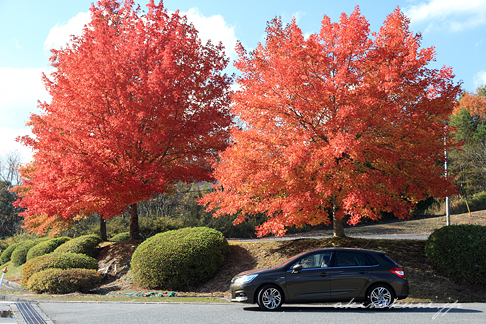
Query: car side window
[
  {"x": 317, "y": 260},
  {"x": 350, "y": 259}
]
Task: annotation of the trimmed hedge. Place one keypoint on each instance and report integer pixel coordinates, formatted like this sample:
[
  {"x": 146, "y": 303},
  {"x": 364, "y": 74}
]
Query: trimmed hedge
[
  {"x": 121, "y": 237},
  {"x": 58, "y": 281},
  {"x": 19, "y": 255},
  {"x": 459, "y": 253},
  {"x": 86, "y": 244},
  {"x": 7, "y": 254},
  {"x": 57, "y": 261},
  {"x": 46, "y": 247},
  {"x": 179, "y": 259}
]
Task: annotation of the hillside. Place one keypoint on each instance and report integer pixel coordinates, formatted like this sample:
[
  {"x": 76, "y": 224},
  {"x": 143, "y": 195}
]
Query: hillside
[{"x": 425, "y": 283}]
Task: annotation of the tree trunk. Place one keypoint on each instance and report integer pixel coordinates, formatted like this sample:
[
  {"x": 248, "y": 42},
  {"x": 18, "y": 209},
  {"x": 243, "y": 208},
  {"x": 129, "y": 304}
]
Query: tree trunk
[
  {"x": 103, "y": 228},
  {"x": 134, "y": 231},
  {"x": 337, "y": 225}
]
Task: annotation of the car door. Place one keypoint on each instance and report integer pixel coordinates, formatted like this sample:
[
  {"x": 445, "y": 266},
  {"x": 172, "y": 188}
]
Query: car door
[
  {"x": 350, "y": 274},
  {"x": 313, "y": 282}
]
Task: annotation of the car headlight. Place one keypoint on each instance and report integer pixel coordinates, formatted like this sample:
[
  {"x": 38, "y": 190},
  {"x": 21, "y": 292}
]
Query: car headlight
[{"x": 245, "y": 279}]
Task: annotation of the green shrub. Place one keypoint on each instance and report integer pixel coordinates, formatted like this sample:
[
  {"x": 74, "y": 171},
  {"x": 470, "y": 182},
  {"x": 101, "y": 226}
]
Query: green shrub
[
  {"x": 19, "y": 255},
  {"x": 478, "y": 201},
  {"x": 7, "y": 254},
  {"x": 57, "y": 261},
  {"x": 120, "y": 237},
  {"x": 459, "y": 253},
  {"x": 86, "y": 244},
  {"x": 46, "y": 247},
  {"x": 58, "y": 281},
  {"x": 179, "y": 259}
]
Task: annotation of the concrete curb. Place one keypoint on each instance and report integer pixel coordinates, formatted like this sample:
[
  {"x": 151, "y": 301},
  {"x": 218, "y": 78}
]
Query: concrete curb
[
  {"x": 12, "y": 286},
  {"x": 14, "y": 298}
]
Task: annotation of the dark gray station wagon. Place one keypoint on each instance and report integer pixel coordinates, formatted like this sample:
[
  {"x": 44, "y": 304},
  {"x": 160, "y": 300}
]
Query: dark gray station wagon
[{"x": 324, "y": 275}]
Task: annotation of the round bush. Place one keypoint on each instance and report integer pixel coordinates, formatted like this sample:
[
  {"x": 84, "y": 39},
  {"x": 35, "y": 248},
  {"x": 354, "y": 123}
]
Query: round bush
[
  {"x": 19, "y": 255},
  {"x": 58, "y": 281},
  {"x": 179, "y": 259},
  {"x": 7, "y": 254},
  {"x": 120, "y": 237},
  {"x": 46, "y": 247},
  {"x": 459, "y": 253},
  {"x": 57, "y": 261},
  {"x": 86, "y": 244}
]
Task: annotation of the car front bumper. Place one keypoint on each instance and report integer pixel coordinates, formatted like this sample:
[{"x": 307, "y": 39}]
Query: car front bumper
[{"x": 242, "y": 293}]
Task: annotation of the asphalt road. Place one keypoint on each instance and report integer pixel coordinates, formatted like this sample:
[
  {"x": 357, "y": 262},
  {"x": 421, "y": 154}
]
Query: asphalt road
[
  {"x": 179, "y": 313},
  {"x": 423, "y": 236}
]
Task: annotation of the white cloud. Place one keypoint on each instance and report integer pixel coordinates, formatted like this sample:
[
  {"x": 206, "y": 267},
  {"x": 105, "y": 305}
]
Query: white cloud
[
  {"x": 9, "y": 144},
  {"x": 480, "y": 79},
  {"x": 60, "y": 35},
  {"x": 17, "y": 45},
  {"x": 19, "y": 91},
  {"x": 450, "y": 15},
  {"x": 213, "y": 28}
]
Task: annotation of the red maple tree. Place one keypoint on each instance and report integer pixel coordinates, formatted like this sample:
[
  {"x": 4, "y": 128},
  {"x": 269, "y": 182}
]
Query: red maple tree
[
  {"x": 342, "y": 123},
  {"x": 138, "y": 103}
]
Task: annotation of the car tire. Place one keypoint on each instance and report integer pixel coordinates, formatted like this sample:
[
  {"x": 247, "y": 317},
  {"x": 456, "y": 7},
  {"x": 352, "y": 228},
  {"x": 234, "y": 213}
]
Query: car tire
[
  {"x": 379, "y": 296},
  {"x": 270, "y": 298}
]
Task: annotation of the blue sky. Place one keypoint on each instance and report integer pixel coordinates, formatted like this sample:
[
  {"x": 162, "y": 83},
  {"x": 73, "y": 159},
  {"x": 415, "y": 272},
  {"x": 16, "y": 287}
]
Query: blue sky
[{"x": 29, "y": 28}]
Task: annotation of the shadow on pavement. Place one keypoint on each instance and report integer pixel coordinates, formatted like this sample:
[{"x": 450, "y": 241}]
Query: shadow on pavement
[{"x": 411, "y": 308}]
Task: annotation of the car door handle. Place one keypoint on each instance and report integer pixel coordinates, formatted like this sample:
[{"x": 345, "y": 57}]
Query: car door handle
[
  {"x": 324, "y": 274},
  {"x": 363, "y": 271}
]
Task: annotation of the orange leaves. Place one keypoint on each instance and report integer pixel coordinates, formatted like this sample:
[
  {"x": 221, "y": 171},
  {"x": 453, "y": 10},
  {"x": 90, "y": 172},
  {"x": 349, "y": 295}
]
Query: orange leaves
[
  {"x": 475, "y": 103},
  {"x": 342, "y": 123},
  {"x": 138, "y": 103}
]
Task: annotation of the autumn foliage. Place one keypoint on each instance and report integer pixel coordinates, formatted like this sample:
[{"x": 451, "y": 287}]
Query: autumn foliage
[
  {"x": 344, "y": 122},
  {"x": 475, "y": 103},
  {"x": 138, "y": 103}
]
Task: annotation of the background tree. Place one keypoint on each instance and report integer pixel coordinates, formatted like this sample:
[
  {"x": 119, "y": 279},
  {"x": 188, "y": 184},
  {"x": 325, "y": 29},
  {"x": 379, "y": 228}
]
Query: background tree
[
  {"x": 10, "y": 222},
  {"x": 474, "y": 102},
  {"x": 10, "y": 163},
  {"x": 469, "y": 162},
  {"x": 339, "y": 123},
  {"x": 138, "y": 103}
]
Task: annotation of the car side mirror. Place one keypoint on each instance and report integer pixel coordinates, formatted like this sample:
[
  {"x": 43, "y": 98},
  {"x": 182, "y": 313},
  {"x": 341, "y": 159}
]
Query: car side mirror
[{"x": 297, "y": 268}]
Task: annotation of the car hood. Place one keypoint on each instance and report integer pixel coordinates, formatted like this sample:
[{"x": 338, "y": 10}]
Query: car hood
[{"x": 244, "y": 273}]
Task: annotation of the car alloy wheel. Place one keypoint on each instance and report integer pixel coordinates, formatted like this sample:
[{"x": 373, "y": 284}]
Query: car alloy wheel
[
  {"x": 269, "y": 298},
  {"x": 379, "y": 297}
]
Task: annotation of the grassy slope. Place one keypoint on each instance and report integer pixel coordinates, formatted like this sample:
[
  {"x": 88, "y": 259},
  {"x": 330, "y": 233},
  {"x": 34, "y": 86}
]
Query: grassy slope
[{"x": 425, "y": 283}]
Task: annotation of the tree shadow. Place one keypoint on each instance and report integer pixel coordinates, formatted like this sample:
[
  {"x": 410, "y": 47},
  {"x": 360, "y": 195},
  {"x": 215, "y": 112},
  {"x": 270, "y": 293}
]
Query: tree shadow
[{"x": 237, "y": 260}]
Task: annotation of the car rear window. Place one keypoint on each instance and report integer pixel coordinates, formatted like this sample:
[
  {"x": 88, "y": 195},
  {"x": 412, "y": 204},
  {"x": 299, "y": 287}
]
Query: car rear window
[
  {"x": 350, "y": 259},
  {"x": 372, "y": 261}
]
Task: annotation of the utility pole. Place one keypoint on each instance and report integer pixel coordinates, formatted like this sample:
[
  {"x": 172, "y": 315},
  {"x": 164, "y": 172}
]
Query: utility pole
[{"x": 448, "y": 214}]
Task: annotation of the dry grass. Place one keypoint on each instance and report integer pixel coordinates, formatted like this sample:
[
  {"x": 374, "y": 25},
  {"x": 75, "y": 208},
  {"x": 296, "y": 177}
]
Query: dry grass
[{"x": 426, "y": 285}]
